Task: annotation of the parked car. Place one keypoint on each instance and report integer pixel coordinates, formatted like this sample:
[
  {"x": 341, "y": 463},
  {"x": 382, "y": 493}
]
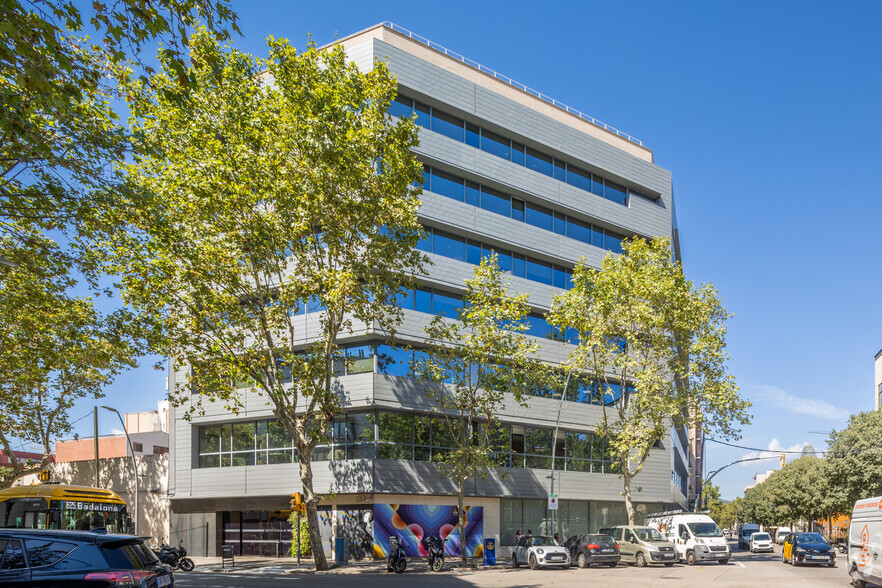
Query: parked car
[
  {"x": 726, "y": 531},
  {"x": 744, "y": 534},
  {"x": 761, "y": 542},
  {"x": 539, "y": 552},
  {"x": 597, "y": 548},
  {"x": 781, "y": 534},
  {"x": 808, "y": 548},
  {"x": 644, "y": 545},
  {"x": 695, "y": 535},
  {"x": 864, "y": 541},
  {"x": 91, "y": 559}
]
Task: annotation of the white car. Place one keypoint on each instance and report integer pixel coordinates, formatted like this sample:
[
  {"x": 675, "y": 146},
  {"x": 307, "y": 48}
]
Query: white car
[
  {"x": 540, "y": 552},
  {"x": 761, "y": 542}
]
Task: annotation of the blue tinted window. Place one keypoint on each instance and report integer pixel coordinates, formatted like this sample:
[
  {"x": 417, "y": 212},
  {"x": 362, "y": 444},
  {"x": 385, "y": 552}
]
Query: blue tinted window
[
  {"x": 578, "y": 230},
  {"x": 517, "y": 153},
  {"x": 423, "y": 118},
  {"x": 517, "y": 209},
  {"x": 504, "y": 260},
  {"x": 447, "y": 185},
  {"x": 425, "y": 242},
  {"x": 449, "y": 245},
  {"x": 392, "y": 361},
  {"x": 473, "y": 135},
  {"x": 519, "y": 266},
  {"x": 612, "y": 242},
  {"x": 493, "y": 143},
  {"x": 405, "y": 300},
  {"x": 423, "y": 301},
  {"x": 596, "y": 236},
  {"x": 447, "y": 125},
  {"x": 612, "y": 393},
  {"x": 473, "y": 194},
  {"x": 560, "y": 170},
  {"x": 578, "y": 178},
  {"x": 473, "y": 252},
  {"x": 597, "y": 185},
  {"x": 539, "y": 271},
  {"x": 402, "y": 107},
  {"x": 570, "y": 282},
  {"x": 445, "y": 305},
  {"x": 419, "y": 357},
  {"x": 537, "y": 326},
  {"x": 539, "y": 162},
  {"x": 560, "y": 223},
  {"x": 615, "y": 192},
  {"x": 539, "y": 216},
  {"x": 495, "y": 202},
  {"x": 560, "y": 277},
  {"x": 572, "y": 336}
]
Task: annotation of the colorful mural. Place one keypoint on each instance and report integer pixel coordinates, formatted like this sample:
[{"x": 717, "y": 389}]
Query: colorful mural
[{"x": 412, "y": 522}]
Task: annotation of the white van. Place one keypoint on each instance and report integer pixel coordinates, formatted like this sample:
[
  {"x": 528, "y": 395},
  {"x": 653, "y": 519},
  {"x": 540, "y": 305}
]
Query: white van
[
  {"x": 695, "y": 535},
  {"x": 781, "y": 534},
  {"x": 865, "y": 542}
]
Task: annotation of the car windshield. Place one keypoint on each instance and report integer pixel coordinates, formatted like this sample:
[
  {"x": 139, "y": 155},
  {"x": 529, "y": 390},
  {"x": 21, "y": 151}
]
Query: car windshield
[
  {"x": 810, "y": 538},
  {"x": 705, "y": 529},
  {"x": 543, "y": 542},
  {"x": 761, "y": 537},
  {"x": 648, "y": 534}
]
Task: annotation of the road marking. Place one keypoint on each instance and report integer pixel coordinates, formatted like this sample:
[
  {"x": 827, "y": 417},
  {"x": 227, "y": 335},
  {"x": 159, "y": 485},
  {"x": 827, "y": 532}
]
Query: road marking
[{"x": 740, "y": 564}]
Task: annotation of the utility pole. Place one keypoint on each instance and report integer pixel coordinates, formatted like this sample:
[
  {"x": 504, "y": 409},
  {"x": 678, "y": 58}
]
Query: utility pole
[{"x": 97, "y": 471}]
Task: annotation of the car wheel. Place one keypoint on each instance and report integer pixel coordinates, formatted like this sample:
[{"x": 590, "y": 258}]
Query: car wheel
[
  {"x": 582, "y": 561},
  {"x": 533, "y": 563},
  {"x": 831, "y": 565},
  {"x": 669, "y": 564},
  {"x": 856, "y": 579},
  {"x": 690, "y": 558},
  {"x": 514, "y": 561},
  {"x": 640, "y": 560},
  {"x": 724, "y": 562},
  {"x": 793, "y": 561},
  {"x": 612, "y": 564}
]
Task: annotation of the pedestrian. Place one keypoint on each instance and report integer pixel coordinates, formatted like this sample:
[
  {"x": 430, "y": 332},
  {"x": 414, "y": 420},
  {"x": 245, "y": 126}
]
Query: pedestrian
[
  {"x": 557, "y": 537},
  {"x": 529, "y": 533},
  {"x": 518, "y": 535}
]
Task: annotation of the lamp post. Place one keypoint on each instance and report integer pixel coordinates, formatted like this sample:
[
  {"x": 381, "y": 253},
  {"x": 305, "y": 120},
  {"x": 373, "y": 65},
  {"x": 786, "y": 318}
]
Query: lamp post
[
  {"x": 134, "y": 463},
  {"x": 554, "y": 441}
]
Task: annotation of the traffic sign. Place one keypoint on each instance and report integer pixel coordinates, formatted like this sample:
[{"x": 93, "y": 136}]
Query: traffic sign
[{"x": 552, "y": 502}]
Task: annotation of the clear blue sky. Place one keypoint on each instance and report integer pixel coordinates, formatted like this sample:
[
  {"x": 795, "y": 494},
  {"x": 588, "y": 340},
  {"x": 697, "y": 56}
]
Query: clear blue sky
[{"x": 766, "y": 113}]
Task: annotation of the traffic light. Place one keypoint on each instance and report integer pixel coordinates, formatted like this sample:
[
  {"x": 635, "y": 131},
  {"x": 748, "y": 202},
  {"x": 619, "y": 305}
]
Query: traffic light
[
  {"x": 297, "y": 504},
  {"x": 783, "y": 459},
  {"x": 45, "y": 476}
]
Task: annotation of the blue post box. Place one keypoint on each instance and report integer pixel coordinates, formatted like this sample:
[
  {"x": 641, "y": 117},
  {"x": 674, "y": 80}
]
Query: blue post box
[{"x": 490, "y": 552}]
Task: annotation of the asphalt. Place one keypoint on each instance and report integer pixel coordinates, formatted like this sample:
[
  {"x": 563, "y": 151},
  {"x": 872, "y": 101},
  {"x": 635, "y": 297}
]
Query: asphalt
[{"x": 272, "y": 565}]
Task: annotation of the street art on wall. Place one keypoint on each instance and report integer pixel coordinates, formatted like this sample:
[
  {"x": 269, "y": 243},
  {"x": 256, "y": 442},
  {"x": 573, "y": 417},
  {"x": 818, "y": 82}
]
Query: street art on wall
[{"x": 412, "y": 522}]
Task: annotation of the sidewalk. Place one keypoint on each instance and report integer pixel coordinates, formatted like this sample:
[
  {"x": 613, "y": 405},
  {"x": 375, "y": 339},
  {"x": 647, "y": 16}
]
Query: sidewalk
[{"x": 272, "y": 565}]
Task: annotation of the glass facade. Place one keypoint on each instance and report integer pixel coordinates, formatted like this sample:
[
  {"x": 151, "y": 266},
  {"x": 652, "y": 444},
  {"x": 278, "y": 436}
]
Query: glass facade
[
  {"x": 398, "y": 435},
  {"x": 456, "y": 188},
  {"x": 448, "y": 125}
]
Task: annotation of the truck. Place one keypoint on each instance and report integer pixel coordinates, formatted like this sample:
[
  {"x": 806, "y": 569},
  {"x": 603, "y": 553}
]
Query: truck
[
  {"x": 865, "y": 542},
  {"x": 695, "y": 535}
]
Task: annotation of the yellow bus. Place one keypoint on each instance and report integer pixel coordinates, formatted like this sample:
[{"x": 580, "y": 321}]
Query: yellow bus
[{"x": 58, "y": 506}]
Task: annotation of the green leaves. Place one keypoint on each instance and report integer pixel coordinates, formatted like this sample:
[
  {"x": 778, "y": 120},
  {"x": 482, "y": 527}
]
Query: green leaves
[{"x": 642, "y": 323}]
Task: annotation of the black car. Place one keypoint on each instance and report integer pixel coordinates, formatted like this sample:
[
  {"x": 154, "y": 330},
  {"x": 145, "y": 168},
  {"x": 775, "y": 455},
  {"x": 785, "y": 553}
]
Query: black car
[
  {"x": 31, "y": 557},
  {"x": 808, "y": 548},
  {"x": 591, "y": 549}
]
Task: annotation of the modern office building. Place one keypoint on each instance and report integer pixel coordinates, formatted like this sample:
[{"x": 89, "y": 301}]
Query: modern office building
[{"x": 507, "y": 170}]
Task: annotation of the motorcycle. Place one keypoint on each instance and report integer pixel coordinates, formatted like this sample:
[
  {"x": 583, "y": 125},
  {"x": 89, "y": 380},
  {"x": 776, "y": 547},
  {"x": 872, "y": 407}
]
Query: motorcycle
[
  {"x": 175, "y": 557},
  {"x": 435, "y": 547},
  {"x": 396, "y": 562}
]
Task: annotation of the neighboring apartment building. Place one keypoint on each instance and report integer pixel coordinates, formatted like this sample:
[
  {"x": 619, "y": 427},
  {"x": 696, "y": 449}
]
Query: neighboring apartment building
[
  {"x": 507, "y": 171},
  {"x": 146, "y": 443},
  {"x": 877, "y": 388},
  {"x": 24, "y": 456}
]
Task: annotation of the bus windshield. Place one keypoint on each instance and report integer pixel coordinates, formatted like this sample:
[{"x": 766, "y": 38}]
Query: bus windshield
[
  {"x": 85, "y": 516},
  {"x": 63, "y": 507}
]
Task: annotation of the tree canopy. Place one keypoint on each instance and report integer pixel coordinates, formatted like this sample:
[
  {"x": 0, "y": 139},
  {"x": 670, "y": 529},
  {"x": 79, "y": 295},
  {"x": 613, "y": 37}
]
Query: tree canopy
[
  {"x": 276, "y": 219},
  {"x": 655, "y": 346},
  {"x": 853, "y": 465}
]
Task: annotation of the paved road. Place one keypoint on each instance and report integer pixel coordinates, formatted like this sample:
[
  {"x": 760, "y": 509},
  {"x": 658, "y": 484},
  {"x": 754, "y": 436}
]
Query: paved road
[{"x": 745, "y": 569}]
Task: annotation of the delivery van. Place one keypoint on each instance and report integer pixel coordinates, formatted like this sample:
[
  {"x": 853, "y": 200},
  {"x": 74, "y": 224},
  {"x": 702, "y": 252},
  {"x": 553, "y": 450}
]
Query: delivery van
[
  {"x": 865, "y": 542},
  {"x": 695, "y": 535}
]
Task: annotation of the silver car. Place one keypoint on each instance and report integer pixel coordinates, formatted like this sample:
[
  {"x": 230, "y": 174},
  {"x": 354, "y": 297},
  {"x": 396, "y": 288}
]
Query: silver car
[{"x": 540, "y": 552}]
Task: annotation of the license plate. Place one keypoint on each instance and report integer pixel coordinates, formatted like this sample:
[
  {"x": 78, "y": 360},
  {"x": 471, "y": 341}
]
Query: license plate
[
  {"x": 607, "y": 550},
  {"x": 553, "y": 557},
  {"x": 817, "y": 557},
  {"x": 163, "y": 581}
]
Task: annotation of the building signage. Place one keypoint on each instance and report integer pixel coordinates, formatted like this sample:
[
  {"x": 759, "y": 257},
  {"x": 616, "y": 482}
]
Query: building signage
[{"x": 91, "y": 506}]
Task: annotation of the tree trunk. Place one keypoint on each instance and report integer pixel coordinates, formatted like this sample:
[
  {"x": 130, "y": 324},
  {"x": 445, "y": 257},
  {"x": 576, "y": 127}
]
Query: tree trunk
[
  {"x": 629, "y": 506},
  {"x": 462, "y": 522},
  {"x": 311, "y": 500}
]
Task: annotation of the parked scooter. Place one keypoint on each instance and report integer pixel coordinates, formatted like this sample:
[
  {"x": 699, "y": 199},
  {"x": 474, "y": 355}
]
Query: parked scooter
[
  {"x": 435, "y": 547},
  {"x": 175, "y": 557},
  {"x": 397, "y": 562}
]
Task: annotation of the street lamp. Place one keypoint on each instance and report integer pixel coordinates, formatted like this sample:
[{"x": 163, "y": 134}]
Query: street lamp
[
  {"x": 134, "y": 463},
  {"x": 554, "y": 441}
]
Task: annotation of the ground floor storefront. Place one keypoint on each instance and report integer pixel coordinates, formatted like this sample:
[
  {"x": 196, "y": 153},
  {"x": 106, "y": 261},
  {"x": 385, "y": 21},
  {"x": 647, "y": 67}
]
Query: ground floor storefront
[{"x": 365, "y": 522}]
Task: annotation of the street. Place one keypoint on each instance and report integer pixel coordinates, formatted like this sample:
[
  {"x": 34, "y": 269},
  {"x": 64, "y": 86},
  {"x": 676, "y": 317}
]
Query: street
[{"x": 744, "y": 569}]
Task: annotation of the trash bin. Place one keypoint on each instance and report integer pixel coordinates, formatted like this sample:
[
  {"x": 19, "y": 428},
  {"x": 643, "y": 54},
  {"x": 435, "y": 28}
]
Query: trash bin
[
  {"x": 227, "y": 556},
  {"x": 490, "y": 551},
  {"x": 341, "y": 550}
]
